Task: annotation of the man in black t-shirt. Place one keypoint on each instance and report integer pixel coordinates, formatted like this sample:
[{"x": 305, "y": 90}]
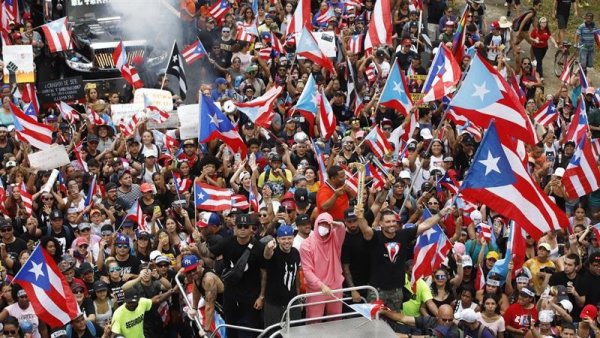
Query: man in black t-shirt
[
  {"x": 389, "y": 251},
  {"x": 562, "y": 12},
  {"x": 574, "y": 283},
  {"x": 282, "y": 265},
  {"x": 405, "y": 55},
  {"x": 243, "y": 298},
  {"x": 355, "y": 264},
  {"x": 130, "y": 265},
  {"x": 10, "y": 247}
]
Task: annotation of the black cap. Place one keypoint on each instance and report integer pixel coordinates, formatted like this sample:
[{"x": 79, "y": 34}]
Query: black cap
[
  {"x": 411, "y": 146},
  {"x": 107, "y": 227},
  {"x": 123, "y": 172},
  {"x": 92, "y": 138},
  {"x": 275, "y": 157},
  {"x": 302, "y": 219},
  {"x": 570, "y": 143},
  {"x": 109, "y": 186},
  {"x": 56, "y": 214},
  {"x": 380, "y": 53},
  {"x": 4, "y": 223},
  {"x": 301, "y": 197},
  {"x": 99, "y": 286},
  {"x": 426, "y": 186},
  {"x": 349, "y": 215},
  {"x": 468, "y": 139},
  {"x": 85, "y": 267},
  {"x": 131, "y": 296},
  {"x": 243, "y": 219}
]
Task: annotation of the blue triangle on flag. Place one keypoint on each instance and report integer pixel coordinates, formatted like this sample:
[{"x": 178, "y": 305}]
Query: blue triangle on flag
[
  {"x": 35, "y": 271},
  {"x": 490, "y": 166}
]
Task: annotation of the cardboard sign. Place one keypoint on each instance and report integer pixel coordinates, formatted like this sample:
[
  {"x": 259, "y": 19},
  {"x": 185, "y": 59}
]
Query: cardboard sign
[
  {"x": 67, "y": 89},
  {"x": 163, "y": 99},
  {"x": 18, "y": 64},
  {"x": 51, "y": 158},
  {"x": 171, "y": 123},
  {"x": 125, "y": 111},
  {"x": 188, "y": 120}
]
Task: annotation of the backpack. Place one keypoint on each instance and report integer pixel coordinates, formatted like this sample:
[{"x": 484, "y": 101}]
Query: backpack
[{"x": 518, "y": 20}]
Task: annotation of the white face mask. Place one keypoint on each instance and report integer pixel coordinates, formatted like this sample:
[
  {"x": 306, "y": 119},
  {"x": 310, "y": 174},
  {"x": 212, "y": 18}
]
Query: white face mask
[{"x": 323, "y": 231}]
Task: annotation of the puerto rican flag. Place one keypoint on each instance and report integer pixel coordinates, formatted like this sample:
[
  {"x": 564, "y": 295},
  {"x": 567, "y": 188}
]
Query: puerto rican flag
[
  {"x": 213, "y": 124},
  {"x": 395, "y": 93},
  {"x": 356, "y": 43},
  {"x": 463, "y": 125},
  {"x": 582, "y": 176},
  {"x": 485, "y": 95},
  {"x": 276, "y": 45},
  {"x": 58, "y": 35},
  {"x": 378, "y": 178},
  {"x": 10, "y": 12},
  {"x": 92, "y": 190},
  {"x": 320, "y": 162},
  {"x": 246, "y": 33},
  {"x": 327, "y": 120},
  {"x": 546, "y": 115},
  {"x": 260, "y": 110},
  {"x": 351, "y": 179},
  {"x": 308, "y": 47},
  {"x": 29, "y": 95},
  {"x": 371, "y": 72},
  {"x": 128, "y": 72},
  {"x": 596, "y": 148},
  {"x": 77, "y": 151},
  {"x": 578, "y": 127},
  {"x": 430, "y": 250},
  {"x": 308, "y": 101},
  {"x": 193, "y": 52},
  {"x": 165, "y": 140},
  {"x": 239, "y": 202},
  {"x": 514, "y": 84},
  {"x": 444, "y": 74},
  {"x": 265, "y": 53},
  {"x": 484, "y": 230},
  {"x": 300, "y": 19},
  {"x": 27, "y": 200},
  {"x": 377, "y": 141},
  {"x": 49, "y": 293},
  {"x": 210, "y": 198},
  {"x": 596, "y": 227},
  {"x": 479, "y": 279},
  {"x": 380, "y": 25},
  {"x": 253, "y": 199},
  {"x": 449, "y": 183},
  {"x": 136, "y": 214},
  {"x": 67, "y": 112},
  {"x": 182, "y": 184},
  {"x": 29, "y": 130},
  {"x": 565, "y": 76},
  {"x": 357, "y": 4},
  {"x": 322, "y": 17},
  {"x": 219, "y": 9},
  {"x": 499, "y": 179}
]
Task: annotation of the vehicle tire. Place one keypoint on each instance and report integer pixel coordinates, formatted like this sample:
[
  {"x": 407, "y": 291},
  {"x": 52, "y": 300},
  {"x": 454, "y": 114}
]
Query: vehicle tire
[{"x": 559, "y": 62}]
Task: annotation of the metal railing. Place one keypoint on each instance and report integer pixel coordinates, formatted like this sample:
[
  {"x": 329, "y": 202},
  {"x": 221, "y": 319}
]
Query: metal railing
[{"x": 189, "y": 304}]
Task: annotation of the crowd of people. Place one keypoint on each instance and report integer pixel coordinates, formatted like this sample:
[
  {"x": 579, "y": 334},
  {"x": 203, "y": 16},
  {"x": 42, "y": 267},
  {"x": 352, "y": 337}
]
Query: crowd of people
[{"x": 302, "y": 228}]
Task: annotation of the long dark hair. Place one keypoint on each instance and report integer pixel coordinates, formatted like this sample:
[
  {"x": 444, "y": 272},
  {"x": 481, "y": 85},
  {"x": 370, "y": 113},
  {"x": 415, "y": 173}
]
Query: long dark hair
[
  {"x": 495, "y": 298},
  {"x": 44, "y": 243},
  {"x": 447, "y": 286}
]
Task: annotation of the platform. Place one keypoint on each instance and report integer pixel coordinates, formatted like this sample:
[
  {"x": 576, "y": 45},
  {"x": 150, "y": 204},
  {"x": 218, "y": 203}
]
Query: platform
[{"x": 345, "y": 328}]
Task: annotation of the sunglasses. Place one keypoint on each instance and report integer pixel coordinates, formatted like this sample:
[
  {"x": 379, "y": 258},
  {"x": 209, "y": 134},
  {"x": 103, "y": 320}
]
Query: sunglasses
[
  {"x": 526, "y": 64},
  {"x": 6, "y": 230},
  {"x": 9, "y": 331},
  {"x": 78, "y": 291},
  {"x": 387, "y": 129},
  {"x": 262, "y": 215},
  {"x": 48, "y": 198},
  {"x": 114, "y": 269},
  {"x": 107, "y": 234},
  {"x": 85, "y": 246},
  {"x": 440, "y": 277},
  {"x": 243, "y": 226},
  {"x": 163, "y": 265},
  {"x": 432, "y": 203},
  {"x": 123, "y": 246}
]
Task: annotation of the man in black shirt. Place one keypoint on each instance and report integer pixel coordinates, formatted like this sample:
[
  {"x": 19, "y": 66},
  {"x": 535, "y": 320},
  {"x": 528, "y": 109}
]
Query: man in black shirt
[
  {"x": 243, "y": 298},
  {"x": 355, "y": 264},
  {"x": 405, "y": 55},
  {"x": 574, "y": 283},
  {"x": 64, "y": 235},
  {"x": 592, "y": 279},
  {"x": 282, "y": 265},
  {"x": 10, "y": 247},
  {"x": 130, "y": 265},
  {"x": 389, "y": 250}
]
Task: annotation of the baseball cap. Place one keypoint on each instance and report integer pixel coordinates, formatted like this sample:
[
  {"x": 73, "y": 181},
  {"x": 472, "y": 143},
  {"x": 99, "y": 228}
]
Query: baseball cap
[
  {"x": 85, "y": 267},
  {"x": 145, "y": 187},
  {"x": 110, "y": 186},
  {"x": 476, "y": 216},
  {"x": 56, "y": 214},
  {"x": 492, "y": 254},
  {"x": 162, "y": 259},
  {"x": 302, "y": 219},
  {"x": 65, "y": 265},
  {"x": 546, "y": 316},
  {"x": 122, "y": 239},
  {"x": 83, "y": 226},
  {"x": 95, "y": 211},
  {"x": 5, "y": 224},
  {"x": 590, "y": 90},
  {"x": 81, "y": 241},
  {"x": 405, "y": 174},
  {"x": 349, "y": 215},
  {"x": 566, "y": 304},
  {"x": 546, "y": 246},
  {"x": 244, "y": 219},
  {"x": 589, "y": 311},
  {"x": 99, "y": 286},
  {"x": 92, "y": 138},
  {"x": 301, "y": 197},
  {"x": 467, "y": 261},
  {"x": 154, "y": 254},
  {"x": 285, "y": 230},
  {"x": 131, "y": 296},
  {"x": 468, "y": 315},
  {"x": 189, "y": 263},
  {"x": 559, "y": 172},
  {"x": 426, "y": 134},
  {"x": 208, "y": 218},
  {"x": 289, "y": 204},
  {"x": 448, "y": 159}
]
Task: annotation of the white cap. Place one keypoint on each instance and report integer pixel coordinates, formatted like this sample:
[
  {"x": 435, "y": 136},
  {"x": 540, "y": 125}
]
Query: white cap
[
  {"x": 567, "y": 305},
  {"x": 467, "y": 261},
  {"x": 154, "y": 254},
  {"x": 468, "y": 315},
  {"x": 476, "y": 216},
  {"x": 559, "y": 172},
  {"x": 426, "y": 134},
  {"x": 404, "y": 174},
  {"x": 546, "y": 316}
]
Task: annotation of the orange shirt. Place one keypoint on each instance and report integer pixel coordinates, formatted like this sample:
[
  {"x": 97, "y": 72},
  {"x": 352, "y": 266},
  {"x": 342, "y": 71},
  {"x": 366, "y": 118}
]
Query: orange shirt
[
  {"x": 341, "y": 203},
  {"x": 186, "y": 7}
]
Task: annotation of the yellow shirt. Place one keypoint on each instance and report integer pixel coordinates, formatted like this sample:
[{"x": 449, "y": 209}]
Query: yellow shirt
[
  {"x": 535, "y": 266},
  {"x": 413, "y": 306},
  {"x": 130, "y": 324}
]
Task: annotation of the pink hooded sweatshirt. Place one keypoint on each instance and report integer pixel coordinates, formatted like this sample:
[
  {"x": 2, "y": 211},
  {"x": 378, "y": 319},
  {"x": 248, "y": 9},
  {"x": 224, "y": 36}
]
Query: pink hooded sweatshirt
[{"x": 321, "y": 258}]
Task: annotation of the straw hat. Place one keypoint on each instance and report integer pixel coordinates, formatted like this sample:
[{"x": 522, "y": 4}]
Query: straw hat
[{"x": 504, "y": 23}]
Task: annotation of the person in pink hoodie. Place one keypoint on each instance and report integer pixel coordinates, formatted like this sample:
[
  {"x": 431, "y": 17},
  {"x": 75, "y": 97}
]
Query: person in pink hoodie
[{"x": 320, "y": 255}]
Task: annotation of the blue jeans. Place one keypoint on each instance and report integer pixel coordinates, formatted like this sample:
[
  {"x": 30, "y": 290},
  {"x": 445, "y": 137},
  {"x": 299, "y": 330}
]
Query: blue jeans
[{"x": 586, "y": 57}]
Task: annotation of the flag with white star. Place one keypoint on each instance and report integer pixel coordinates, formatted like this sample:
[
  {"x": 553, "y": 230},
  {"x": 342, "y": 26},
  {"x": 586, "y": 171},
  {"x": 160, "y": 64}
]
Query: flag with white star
[
  {"x": 547, "y": 114},
  {"x": 175, "y": 68},
  {"x": 210, "y": 198},
  {"x": 395, "y": 93},
  {"x": 213, "y": 124},
  {"x": 444, "y": 74},
  {"x": 47, "y": 289},
  {"x": 499, "y": 179},
  {"x": 484, "y": 95}
]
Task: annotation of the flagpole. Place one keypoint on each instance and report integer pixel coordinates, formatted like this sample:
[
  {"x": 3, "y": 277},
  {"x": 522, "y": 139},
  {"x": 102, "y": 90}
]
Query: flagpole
[
  {"x": 195, "y": 207},
  {"x": 168, "y": 61}
]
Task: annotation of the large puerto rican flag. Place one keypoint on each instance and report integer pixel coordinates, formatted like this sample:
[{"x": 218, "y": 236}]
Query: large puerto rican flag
[
  {"x": 499, "y": 179},
  {"x": 211, "y": 198},
  {"x": 300, "y": 19},
  {"x": 308, "y": 47},
  {"x": 30, "y": 130},
  {"x": 444, "y": 75},
  {"x": 582, "y": 176},
  {"x": 380, "y": 26},
  {"x": 58, "y": 35},
  {"x": 260, "y": 110},
  {"x": 49, "y": 293}
]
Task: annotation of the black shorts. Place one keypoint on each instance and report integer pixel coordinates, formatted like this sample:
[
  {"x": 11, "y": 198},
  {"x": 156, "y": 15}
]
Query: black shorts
[
  {"x": 517, "y": 2},
  {"x": 562, "y": 20}
]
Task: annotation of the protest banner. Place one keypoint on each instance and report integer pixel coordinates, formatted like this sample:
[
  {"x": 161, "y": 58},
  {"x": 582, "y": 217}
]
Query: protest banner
[
  {"x": 163, "y": 99},
  {"x": 18, "y": 64},
  {"x": 67, "y": 89},
  {"x": 50, "y": 158}
]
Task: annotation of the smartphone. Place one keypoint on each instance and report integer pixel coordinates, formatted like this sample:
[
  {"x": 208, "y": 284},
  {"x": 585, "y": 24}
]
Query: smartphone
[
  {"x": 281, "y": 209},
  {"x": 156, "y": 209}
]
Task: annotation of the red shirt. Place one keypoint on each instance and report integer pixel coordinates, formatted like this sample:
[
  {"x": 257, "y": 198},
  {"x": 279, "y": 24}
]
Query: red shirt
[
  {"x": 518, "y": 317},
  {"x": 542, "y": 35}
]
